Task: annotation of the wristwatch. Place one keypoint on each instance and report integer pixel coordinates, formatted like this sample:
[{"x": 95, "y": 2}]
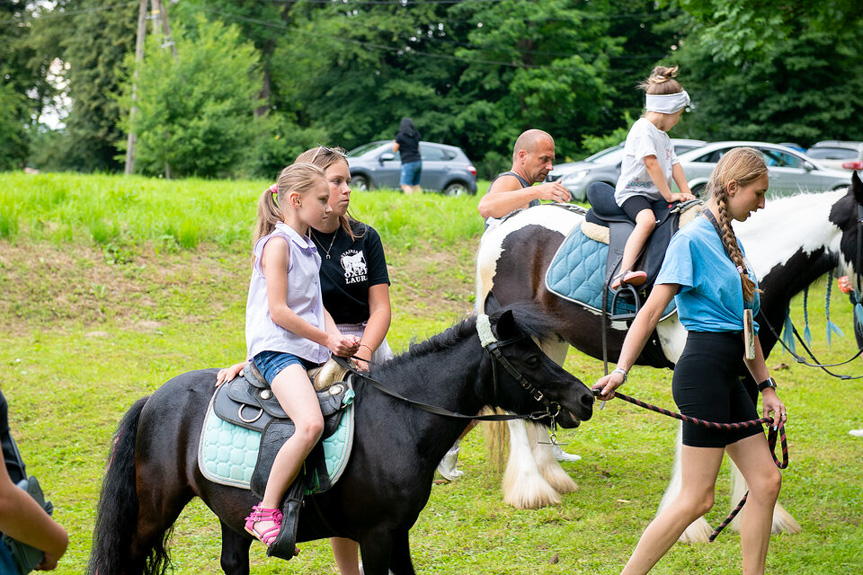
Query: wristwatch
[
  {"x": 622, "y": 372},
  {"x": 769, "y": 382}
]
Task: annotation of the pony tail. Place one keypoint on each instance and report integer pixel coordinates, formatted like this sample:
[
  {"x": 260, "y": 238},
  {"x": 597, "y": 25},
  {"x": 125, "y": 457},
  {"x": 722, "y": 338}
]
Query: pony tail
[
  {"x": 269, "y": 214},
  {"x": 729, "y": 241}
]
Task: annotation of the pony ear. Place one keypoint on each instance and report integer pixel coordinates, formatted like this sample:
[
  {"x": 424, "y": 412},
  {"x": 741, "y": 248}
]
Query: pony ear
[
  {"x": 506, "y": 326},
  {"x": 856, "y": 188},
  {"x": 490, "y": 305}
]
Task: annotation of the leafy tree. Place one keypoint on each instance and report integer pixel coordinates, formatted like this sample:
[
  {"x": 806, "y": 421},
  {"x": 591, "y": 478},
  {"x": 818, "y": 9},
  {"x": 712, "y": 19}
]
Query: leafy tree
[
  {"x": 195, "y": 111},
  {"x": 103, "y": 35},
  {"x": 13, "y": 149},
  {"x": 773, "y": 72}
]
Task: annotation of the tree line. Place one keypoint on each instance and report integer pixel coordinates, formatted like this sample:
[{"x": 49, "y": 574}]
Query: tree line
[{"x": 242, "y": 86}]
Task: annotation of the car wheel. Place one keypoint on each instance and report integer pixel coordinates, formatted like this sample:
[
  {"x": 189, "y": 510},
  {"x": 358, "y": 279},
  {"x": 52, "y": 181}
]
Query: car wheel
[
  {"x": 698, "y": 191},
  {"x": 361, "y": 183},
  {"x": 457, "y": 189}
]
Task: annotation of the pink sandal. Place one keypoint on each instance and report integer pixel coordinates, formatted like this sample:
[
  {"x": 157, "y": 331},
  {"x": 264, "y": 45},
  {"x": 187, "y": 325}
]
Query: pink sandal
[
  {"x": 260, "y": 513},
  {"x": 636, "y": 278}
]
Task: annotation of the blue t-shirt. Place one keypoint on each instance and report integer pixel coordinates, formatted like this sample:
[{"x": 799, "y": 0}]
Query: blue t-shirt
[{"x": 710, "y": 297}]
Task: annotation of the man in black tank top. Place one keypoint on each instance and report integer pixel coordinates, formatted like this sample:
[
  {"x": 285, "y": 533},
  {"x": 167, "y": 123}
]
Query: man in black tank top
[{"x": 532, "y": 158}]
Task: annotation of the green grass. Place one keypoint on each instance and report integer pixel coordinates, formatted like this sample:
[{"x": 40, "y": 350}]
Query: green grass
[{"x": 88, "y": 327}]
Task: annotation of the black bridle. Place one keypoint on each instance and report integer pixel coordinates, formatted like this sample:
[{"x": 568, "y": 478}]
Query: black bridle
[{"x": 493, "y": 347}]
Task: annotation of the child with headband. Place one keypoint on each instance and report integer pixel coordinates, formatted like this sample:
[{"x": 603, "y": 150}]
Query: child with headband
[{"x": 649, "y": 165}]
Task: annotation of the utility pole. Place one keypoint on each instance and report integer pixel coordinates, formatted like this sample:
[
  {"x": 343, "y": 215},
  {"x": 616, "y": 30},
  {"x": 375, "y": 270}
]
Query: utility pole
[
  {"x": 139, "y": 55},
  {"x": 160, "y": 7}
]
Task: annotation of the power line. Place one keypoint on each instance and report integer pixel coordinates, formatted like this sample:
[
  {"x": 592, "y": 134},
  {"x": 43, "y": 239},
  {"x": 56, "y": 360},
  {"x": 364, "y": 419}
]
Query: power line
[{"x": 52, "y": 14}]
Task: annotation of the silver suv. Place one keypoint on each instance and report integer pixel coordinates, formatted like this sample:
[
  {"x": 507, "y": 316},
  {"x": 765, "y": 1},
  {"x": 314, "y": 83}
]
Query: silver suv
[{"x": 445, "y": 168}]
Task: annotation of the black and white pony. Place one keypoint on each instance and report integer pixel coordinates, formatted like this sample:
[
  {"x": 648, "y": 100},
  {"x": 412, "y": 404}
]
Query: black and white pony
[
  {"x": 790, "y": 243},
  {"x": 154, "y": 473}
]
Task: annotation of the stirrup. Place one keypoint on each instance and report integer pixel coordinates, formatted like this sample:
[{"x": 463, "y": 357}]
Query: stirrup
[{"x": 261, "y": 513}]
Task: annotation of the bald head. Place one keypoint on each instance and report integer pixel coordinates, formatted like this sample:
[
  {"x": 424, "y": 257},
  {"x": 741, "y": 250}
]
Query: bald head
[{"x": 530, "y": 141}]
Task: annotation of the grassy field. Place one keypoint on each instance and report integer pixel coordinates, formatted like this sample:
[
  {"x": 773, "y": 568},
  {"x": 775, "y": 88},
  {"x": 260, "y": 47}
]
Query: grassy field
[{"x": 111, "y": 286}]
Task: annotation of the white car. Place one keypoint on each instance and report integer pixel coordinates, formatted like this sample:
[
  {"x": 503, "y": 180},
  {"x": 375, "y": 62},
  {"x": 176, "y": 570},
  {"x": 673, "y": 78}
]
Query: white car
[
  {"x": 603, "y": 166},
  {"x": 790, "y": 171},
  {"x": 838, "y": 154}
]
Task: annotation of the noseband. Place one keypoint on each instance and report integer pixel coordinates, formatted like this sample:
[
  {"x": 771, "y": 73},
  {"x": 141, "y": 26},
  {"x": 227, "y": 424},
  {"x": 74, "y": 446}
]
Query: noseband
[{"x": 491, "y": 344}]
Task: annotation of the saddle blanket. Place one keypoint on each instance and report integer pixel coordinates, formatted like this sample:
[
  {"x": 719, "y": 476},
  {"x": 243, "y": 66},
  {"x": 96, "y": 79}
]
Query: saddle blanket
[
  {"x": 577, "y": 274},
  {"x": 227, "y": 453}
]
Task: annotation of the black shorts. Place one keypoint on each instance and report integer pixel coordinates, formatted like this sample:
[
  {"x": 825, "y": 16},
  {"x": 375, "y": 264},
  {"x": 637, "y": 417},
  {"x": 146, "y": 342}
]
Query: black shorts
[
  {"x": 707, "y": 385},
  {"x": 635, "y": 204}
]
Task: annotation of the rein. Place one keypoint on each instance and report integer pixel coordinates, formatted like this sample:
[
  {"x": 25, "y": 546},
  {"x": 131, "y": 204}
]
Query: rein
[
  {"x": 771, "y": 441},
  {"x": 800, "y": 359},
  {"x": 492, "y": 346}
]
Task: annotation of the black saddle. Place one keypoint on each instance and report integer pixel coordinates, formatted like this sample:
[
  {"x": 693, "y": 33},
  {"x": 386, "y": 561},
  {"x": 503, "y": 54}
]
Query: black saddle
[
  {"x": 249, "y": 402},
  {"x": 604, "y": 211}
]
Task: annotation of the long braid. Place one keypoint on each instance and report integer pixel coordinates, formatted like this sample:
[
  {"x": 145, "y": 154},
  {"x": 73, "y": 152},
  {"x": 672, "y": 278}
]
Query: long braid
[
  {"x": 743, "y": 166},
  {"x": 729, "y": 241}
]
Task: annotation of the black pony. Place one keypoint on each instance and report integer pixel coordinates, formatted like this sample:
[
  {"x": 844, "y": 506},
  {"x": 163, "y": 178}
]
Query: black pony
[{"x": 153, "y": 471}]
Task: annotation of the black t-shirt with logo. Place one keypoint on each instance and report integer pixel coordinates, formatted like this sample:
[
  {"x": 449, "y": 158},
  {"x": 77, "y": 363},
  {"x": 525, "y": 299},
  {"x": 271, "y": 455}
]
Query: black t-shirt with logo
[
  {"x": 16, "y": 473},
  {"x": 348, "y": 269}
]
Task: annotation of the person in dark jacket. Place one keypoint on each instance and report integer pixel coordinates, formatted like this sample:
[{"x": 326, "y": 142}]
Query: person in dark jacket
[{"x": 407, "y": 142}]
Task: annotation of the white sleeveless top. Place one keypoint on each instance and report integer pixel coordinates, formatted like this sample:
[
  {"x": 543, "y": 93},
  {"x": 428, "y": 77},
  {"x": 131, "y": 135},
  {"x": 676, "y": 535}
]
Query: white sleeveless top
[{"x": 304, "y": 298}]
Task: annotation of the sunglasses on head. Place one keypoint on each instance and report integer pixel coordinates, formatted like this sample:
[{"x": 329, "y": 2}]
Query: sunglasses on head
[{"x": 330, "y": 150}]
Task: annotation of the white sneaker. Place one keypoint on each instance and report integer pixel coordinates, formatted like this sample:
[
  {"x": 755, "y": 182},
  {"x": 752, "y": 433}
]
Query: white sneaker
[
  {"x": 447, "y": 465},
  {"x": 856, "y": 432},
  {"x": 562, "y": 455}
]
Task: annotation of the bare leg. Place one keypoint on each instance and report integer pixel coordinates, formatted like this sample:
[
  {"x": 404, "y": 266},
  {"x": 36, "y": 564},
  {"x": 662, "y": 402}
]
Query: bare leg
[
  {"x": 752, "y": 456},
  {"x": 417, "y": 190},
  {"x": 346, "y": 552},
  {"x": 297, "y": 397},
  {"x": 407, "y": 189},
  {"x": 700, "y": 467},
  {"x": 645, "y": 222}
]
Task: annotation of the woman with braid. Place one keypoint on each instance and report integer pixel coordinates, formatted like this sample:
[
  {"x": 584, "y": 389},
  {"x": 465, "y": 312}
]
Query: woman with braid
[{"x": 706, "y": 272}]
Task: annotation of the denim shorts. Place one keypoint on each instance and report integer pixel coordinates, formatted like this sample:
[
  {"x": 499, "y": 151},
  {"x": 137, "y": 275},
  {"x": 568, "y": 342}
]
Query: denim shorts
[
  {"x": 271, "y": 363},
  {"x": 411, "y": 173}
]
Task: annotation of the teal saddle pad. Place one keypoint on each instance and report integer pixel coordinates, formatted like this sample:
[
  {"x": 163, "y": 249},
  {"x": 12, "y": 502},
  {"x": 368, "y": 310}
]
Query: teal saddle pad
[
  {"x": 577, "y": 273},
  {"x": 227, "y": 453}
]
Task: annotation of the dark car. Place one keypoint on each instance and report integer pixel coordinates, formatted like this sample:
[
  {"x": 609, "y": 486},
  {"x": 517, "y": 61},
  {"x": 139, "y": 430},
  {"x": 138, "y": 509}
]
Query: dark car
[{"x": 445, "y": 168}]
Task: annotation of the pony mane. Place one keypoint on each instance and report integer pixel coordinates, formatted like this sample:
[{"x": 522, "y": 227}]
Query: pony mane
[
  {"x": 529, "y": 318},
  {"x": 788, "y": 225}
]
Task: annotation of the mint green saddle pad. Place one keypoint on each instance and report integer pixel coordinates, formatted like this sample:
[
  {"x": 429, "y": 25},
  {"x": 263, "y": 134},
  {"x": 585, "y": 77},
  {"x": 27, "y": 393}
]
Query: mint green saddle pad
[{"x": 227, "y": 453}]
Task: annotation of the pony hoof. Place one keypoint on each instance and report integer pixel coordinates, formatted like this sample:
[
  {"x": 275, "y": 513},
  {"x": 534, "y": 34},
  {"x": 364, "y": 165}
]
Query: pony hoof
[{"x": 699, "y": 531}]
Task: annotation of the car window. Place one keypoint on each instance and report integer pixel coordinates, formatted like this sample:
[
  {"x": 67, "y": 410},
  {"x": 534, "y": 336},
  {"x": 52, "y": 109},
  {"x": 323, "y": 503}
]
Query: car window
[
  {"x": 711, "y": 157},
  {"x": 433, "y": 153},
  {"x": 829, "y": 153},
  {"x": 607, "y": 157},
  {"x": 780, "y": 159},
  {"x": 363, "y": 149}
]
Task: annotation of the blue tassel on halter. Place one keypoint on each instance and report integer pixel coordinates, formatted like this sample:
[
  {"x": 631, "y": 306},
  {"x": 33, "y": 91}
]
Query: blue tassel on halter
[
  {"x": 858, "y": 313},
  {"x": 807, "y": 335},
  {"x": 788, "y": 332},
  {"x": 831, "y": 327}
]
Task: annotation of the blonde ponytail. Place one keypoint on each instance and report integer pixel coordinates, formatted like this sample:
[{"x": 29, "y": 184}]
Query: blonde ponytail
[{"x": 299, "y": 178}]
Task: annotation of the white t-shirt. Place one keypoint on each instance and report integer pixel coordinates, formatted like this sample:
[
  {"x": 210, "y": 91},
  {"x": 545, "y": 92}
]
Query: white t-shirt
[{"x": 644, "y": 139}]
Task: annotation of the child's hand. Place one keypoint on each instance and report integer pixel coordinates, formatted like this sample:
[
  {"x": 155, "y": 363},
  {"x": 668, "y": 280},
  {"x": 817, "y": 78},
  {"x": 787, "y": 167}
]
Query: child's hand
[
  {"x": 343, "y": 345},
  {"x": 845, "y": 284},
  {"x": 682, "y": 197}
]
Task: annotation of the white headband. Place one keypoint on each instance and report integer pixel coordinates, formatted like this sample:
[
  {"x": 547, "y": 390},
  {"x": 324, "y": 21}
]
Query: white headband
[{"x": 666, "y": 103}]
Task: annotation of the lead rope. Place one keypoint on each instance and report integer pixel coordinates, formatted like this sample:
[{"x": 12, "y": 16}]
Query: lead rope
[{"x": 771, "y": 441}]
